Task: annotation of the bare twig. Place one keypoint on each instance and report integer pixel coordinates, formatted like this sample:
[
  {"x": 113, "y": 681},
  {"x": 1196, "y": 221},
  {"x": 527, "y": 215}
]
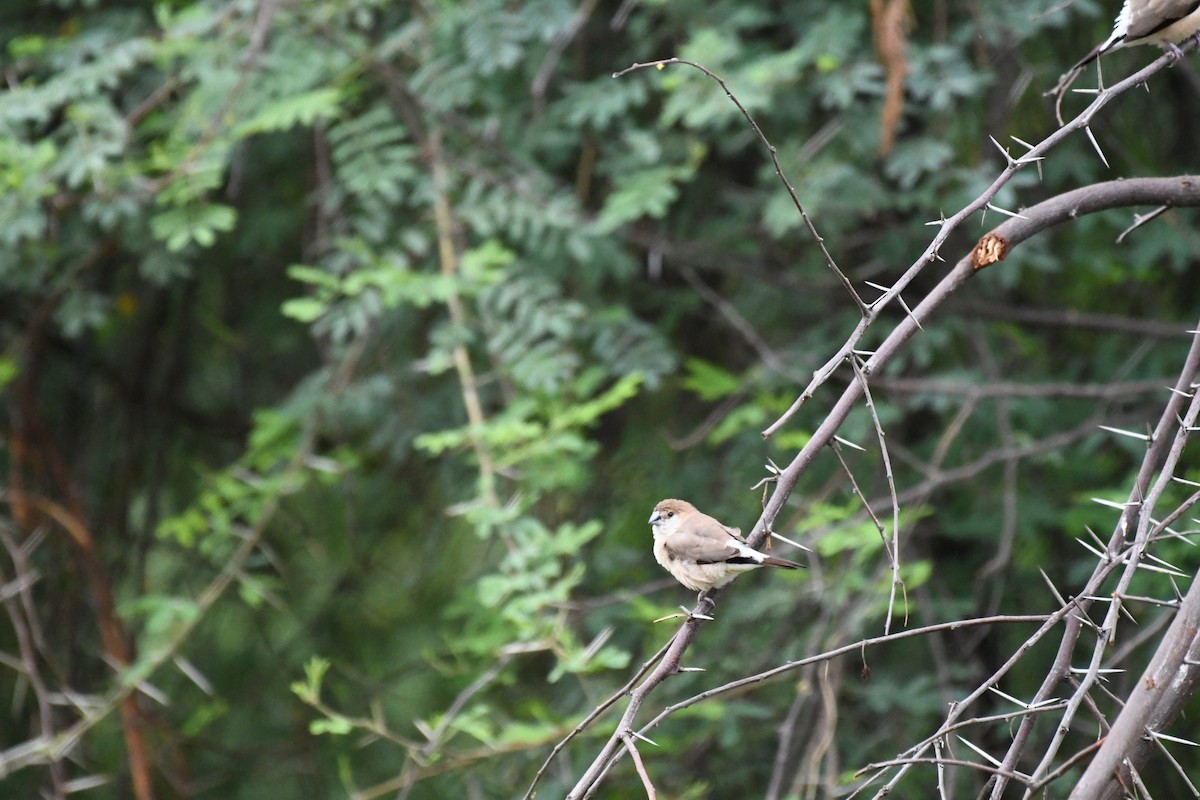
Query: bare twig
[
  {"x": 894, "y": 550},
  {"x": 434, "y": 737},
  {"x": 448, "y": 259},
  {"x": 647, "y": 784},
  {"x": 857, "y": 492},
  {"x": 541, "y": 81}
]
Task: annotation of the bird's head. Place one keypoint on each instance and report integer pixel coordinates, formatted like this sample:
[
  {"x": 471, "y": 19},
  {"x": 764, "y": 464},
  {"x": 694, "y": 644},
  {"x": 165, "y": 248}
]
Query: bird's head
[{"x": 667, "y": 514}]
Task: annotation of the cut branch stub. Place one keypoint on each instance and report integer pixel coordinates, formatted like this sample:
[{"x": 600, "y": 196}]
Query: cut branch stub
[{"x": 991, "y": 248}]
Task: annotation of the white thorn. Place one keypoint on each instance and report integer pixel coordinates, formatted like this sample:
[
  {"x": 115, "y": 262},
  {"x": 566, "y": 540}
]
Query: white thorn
[
  {"x": 1009, "y": 698},
  {"x": 993, "y": 761},
  {"x": 1123, "y": 432},
  {"x": 1006, "y": 212},
  {"x": 849, "y": 443},
  {"x": 1091, "y": 136},
  {"x": 1111, "y": 504},
  {"x": 637, "y": 735},
  {"x": 797, "y": 545}
]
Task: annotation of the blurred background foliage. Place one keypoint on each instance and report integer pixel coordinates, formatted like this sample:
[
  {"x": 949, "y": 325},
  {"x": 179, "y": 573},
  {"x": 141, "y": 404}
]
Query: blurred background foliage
[{"x": 347, "y": 345}]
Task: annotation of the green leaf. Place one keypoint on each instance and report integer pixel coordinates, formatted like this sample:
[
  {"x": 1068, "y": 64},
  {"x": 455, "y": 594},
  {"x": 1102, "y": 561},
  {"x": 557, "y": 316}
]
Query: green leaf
[
  {"x": 309, "y": 690},
  {"x": 198, "y": 224},
  {"x": 302, "y": 109},
  {"x": 304, "y": 309},
  {"x": 8, "y": 371},
  {"x": 649, "y": 192},
  {"x": 330, "y": 725},
  {"x": 314, "y": 276},
  {"x": 709, "y": 381}
]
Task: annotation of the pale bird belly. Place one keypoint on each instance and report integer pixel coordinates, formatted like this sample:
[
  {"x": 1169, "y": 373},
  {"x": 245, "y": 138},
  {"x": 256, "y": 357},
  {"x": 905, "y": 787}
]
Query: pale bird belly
[{"x": 698, "y": 577}]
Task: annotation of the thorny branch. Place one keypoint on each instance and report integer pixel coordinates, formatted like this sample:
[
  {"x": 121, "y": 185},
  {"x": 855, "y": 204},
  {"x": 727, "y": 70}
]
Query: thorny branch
[
  {"x": 1122, "y": 551},
  {"x": 1016, "y": 229},
  {"x": 849, "y": 649},
  {"x": 948, "y": 225},
  {"x": 893, "y": 550}
]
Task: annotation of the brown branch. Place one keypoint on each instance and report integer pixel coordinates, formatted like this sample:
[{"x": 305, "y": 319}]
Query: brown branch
[
  {"x": 952, "y": 762},
  {"x": 1047, "y": 622},
  {"x": 563, "y": 38},
  {"x": 1071, "y": 611},
  {"x": 434, "y": 738},
  {"x": 34, "y": 451},
  {"x": 122, "y": 694},
  {"x": 409, "y": 109},
  {"x": 857, "y": 492},
  {"x": 787, "y": 731},
  {"x": 719, "y": 412},
  {"x": 990, "y": 459},
  {"x": 1169, "y": 681},
  {"x": 1008, "y": 523},
  {"x": 738, "y": 322},
  {"x": 248, "y": 62}
]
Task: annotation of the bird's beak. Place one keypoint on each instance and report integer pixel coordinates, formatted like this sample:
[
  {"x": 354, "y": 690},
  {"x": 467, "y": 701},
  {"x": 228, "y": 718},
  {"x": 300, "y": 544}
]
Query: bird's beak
[{"x": 655, "y": 519}]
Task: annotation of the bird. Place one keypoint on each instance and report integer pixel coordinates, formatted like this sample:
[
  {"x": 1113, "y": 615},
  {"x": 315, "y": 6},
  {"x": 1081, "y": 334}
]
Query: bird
[
  {"x": 700, "y": 552},
  {"x": 1162, "y": 22}
]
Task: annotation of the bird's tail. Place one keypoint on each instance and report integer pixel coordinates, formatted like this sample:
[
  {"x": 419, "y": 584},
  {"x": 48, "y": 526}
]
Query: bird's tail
[{"x": 772, "y": 561}]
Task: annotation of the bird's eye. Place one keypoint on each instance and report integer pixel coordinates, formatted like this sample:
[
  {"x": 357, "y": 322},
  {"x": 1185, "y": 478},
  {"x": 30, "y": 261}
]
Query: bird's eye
[{"x": 670, "y": 514}]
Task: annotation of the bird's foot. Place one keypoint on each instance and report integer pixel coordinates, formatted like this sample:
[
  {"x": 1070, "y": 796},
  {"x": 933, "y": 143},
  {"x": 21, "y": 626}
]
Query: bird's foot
[
  {"x": 1174, "y": 50},
  {"x": 706, "y": 606}
]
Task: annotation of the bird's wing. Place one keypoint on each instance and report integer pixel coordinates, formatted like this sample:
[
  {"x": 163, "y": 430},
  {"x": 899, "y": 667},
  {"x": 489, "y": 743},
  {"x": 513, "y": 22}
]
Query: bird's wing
[
  {"x": 706, "y": 541},
  {"x": 1148, "y": 17}
]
